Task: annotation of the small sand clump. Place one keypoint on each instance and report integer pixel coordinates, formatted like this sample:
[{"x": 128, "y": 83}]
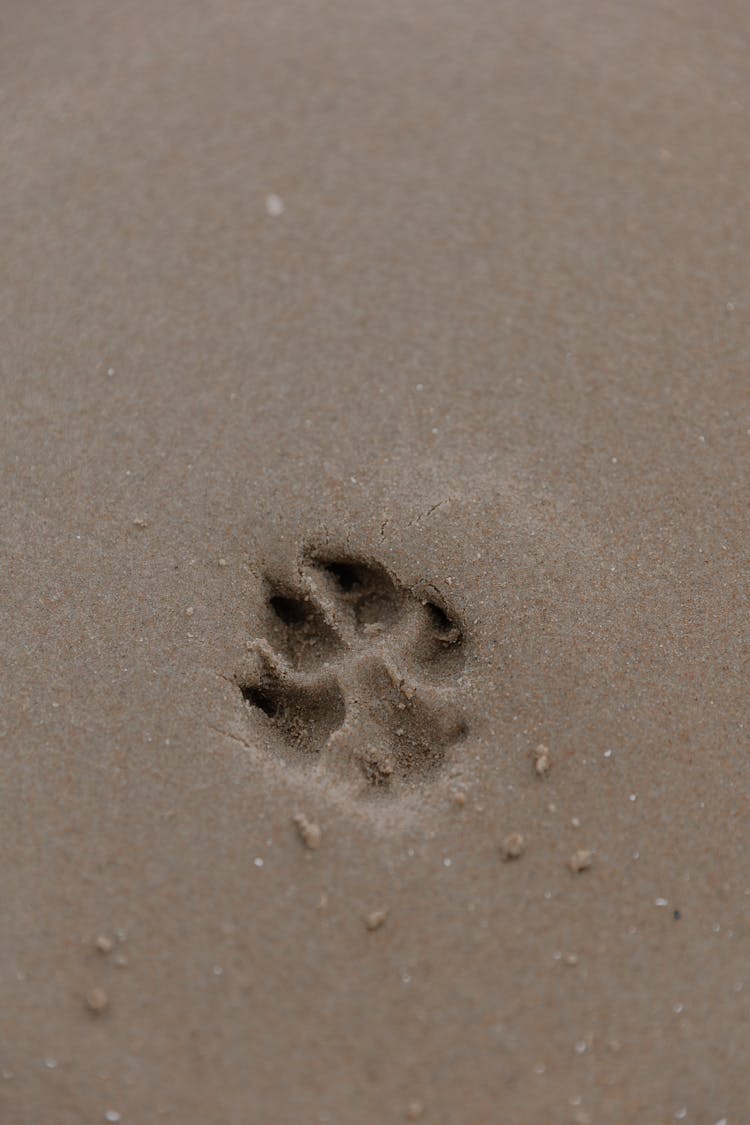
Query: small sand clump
[
  {"x": 375, "y": 919},
  {"x": 580, "y": 860},
  {"x": 542, "y": 760},
  {"x": 97, "y": 1001},
  {"x": 309, "y": 833},
  {"x": 513, "y": 846}
]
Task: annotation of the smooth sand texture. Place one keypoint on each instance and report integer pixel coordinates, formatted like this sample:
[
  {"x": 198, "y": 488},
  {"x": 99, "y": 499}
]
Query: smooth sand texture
[{"x": 460, "y": 290}]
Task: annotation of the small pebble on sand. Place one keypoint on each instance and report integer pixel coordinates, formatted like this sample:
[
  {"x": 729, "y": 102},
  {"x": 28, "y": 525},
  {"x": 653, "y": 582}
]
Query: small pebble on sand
[
  {"x": 580, "y": 860},
  {"x": 415, "y": 1111},
  {"x": 375, "y": 919},
  {"x": 513, "y": 846},
  {"x": 104, "y": 944},
  {"x": 309, "y": 833},
  {"x": 189, "y": 611},
  {"x": 97, "y": 1000},
  {"x": 542, "y": 761}
]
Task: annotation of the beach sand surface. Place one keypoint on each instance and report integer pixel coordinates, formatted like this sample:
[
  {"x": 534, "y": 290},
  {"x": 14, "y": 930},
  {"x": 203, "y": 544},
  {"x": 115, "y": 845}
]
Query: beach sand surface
[{"x": 374, "y": 410}]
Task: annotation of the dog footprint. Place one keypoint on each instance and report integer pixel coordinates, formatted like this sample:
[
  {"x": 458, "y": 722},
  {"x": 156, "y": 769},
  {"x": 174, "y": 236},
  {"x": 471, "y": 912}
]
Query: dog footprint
[{"x": 355, "y": 676}]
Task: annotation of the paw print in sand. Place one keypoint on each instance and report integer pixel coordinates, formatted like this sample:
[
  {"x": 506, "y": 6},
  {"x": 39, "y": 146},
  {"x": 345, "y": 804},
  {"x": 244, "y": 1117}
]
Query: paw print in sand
[{"x": 355, "y": 676}]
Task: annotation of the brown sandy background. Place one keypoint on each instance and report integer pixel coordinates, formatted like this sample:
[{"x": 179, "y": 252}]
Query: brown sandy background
[{"x": 498, "y": 341}]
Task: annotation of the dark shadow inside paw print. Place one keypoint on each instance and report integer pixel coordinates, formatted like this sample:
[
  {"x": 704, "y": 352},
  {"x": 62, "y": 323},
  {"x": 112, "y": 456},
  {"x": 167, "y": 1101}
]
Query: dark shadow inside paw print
[
  {"x": 366, "y": 588},
  {"x": 357, "y": 674},
  {"x": 440, "y": 643},
  {"x": 297, "y": 627},
  {"x": 303, "y": 713}
]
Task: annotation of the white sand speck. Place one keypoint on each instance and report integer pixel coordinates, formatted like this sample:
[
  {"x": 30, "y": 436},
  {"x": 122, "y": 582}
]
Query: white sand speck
[{"x": 274, "y": 206}]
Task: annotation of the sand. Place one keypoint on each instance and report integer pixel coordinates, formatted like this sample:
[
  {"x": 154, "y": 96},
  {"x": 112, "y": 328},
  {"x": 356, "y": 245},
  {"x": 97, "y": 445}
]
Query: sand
[{"x": 372, "y": 368}]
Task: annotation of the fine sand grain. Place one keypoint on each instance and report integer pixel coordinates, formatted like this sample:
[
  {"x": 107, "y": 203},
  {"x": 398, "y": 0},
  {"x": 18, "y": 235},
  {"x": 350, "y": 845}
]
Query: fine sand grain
[{"x": 374, "y": 507}]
